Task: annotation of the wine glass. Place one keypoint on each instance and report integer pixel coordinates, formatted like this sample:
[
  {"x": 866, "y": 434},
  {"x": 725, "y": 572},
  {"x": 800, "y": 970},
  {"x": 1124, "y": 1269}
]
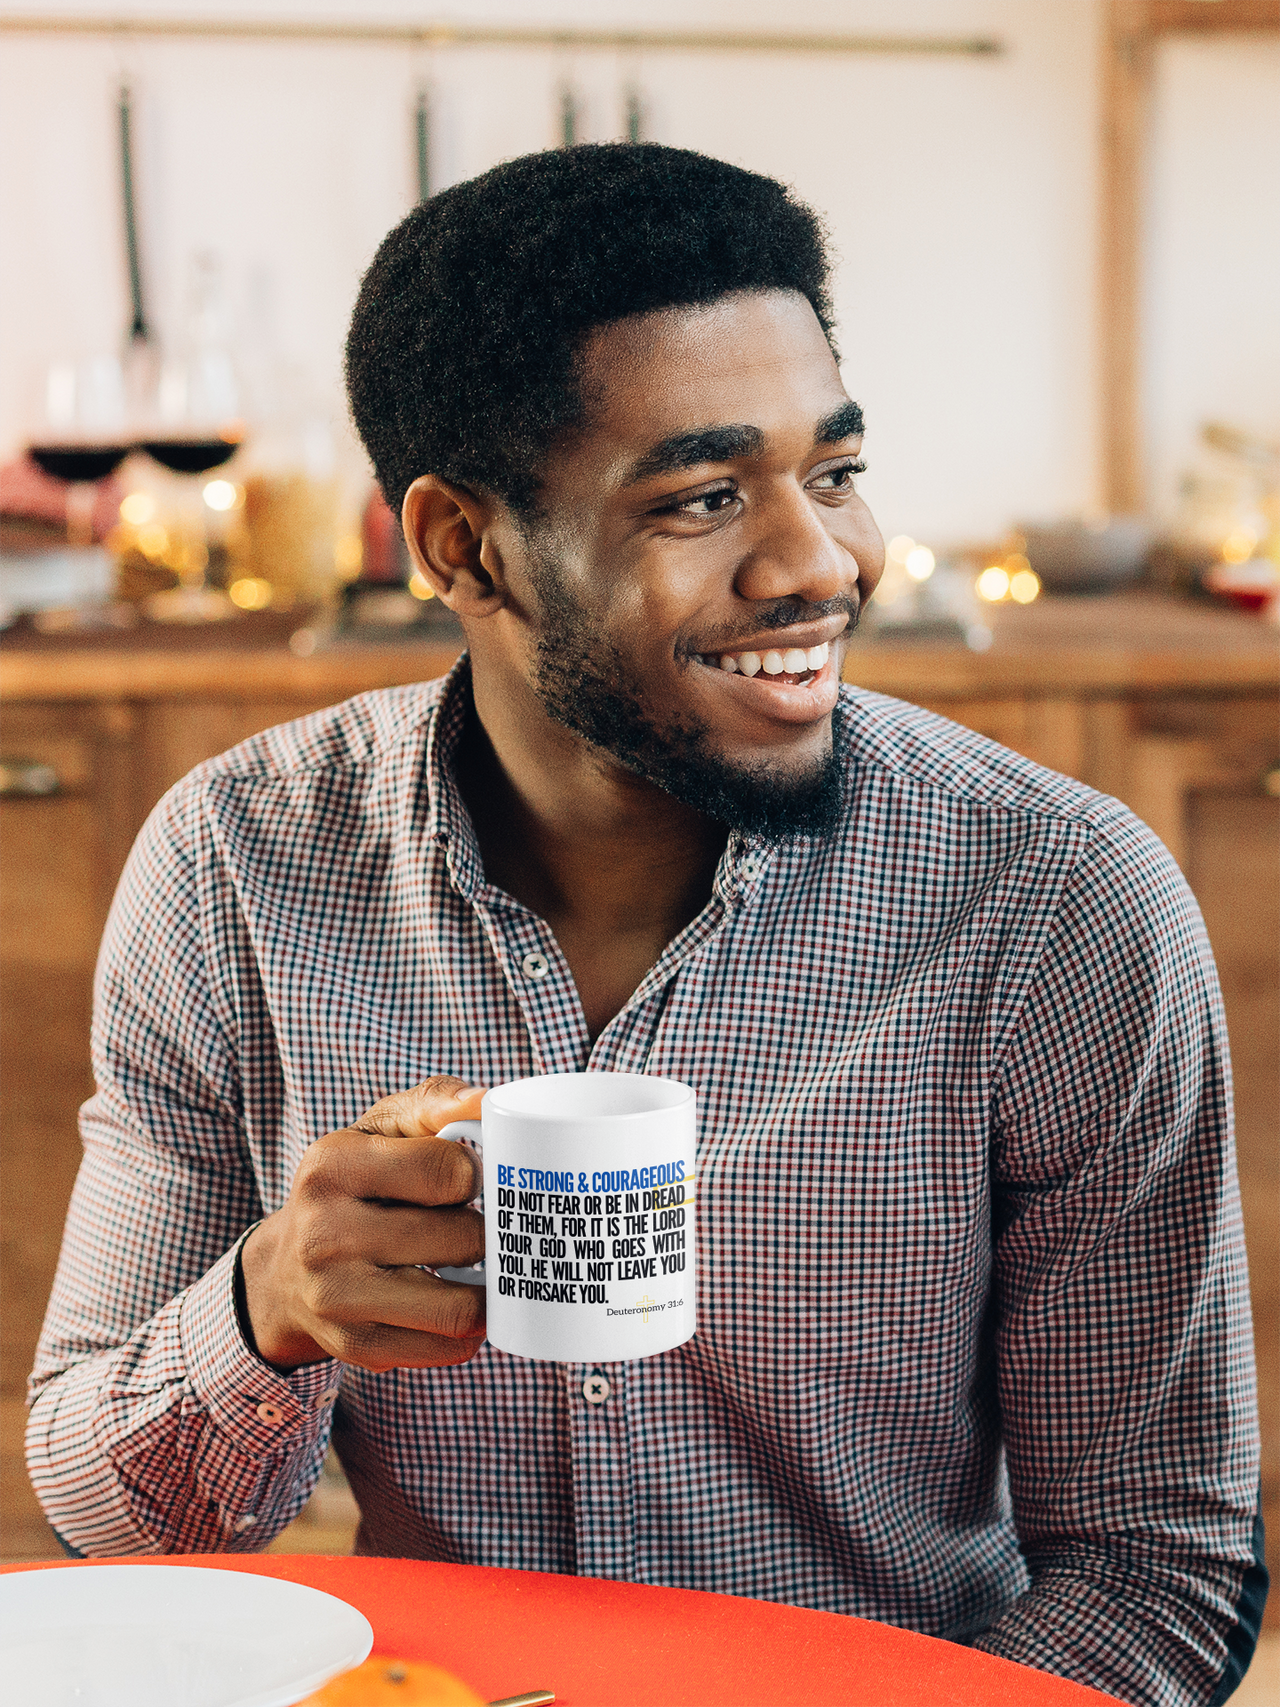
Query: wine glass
[
  {"x": 194, "y": 428},
  {"x": 82, "y": 434}
]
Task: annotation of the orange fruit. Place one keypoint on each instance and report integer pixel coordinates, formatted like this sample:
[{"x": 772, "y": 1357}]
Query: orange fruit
[{"x": 384, "y": 1682}]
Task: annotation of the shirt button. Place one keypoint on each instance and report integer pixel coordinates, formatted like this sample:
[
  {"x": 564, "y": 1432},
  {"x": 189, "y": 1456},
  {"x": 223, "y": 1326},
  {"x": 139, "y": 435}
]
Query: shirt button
[
  {"x": 535, "y": 965},
  {"x": 270, "y": 1413},
  {"x": 327, "y": 1397},
  {"x": 245, "y": 1522},
  {"x": 751, "y": 868},
  {"x": 596, "y": 1388}
]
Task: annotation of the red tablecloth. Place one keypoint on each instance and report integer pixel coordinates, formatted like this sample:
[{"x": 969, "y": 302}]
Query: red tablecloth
[{"x": 609, "y": 1644}]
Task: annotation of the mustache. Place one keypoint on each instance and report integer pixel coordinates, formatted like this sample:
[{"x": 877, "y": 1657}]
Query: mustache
[{"x": 789, "y": 613}]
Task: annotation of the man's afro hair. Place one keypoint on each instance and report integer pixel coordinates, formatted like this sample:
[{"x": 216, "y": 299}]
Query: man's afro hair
[{"x": 462, "y": 350}]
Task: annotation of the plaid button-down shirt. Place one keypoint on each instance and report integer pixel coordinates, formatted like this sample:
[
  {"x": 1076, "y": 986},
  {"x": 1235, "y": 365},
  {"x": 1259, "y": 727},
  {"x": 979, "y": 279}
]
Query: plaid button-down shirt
[{"x": 973, "y": 1351}]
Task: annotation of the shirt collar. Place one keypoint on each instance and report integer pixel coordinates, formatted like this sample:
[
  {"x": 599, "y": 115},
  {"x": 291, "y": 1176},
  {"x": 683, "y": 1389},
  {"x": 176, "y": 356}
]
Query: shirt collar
[
  {"x": 448, "y": 821},
  {"x": 742, "y": 864}
]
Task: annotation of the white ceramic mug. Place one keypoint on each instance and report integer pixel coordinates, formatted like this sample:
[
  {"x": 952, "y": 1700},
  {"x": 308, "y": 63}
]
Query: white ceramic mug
[{"x": 588, "y": 1215}]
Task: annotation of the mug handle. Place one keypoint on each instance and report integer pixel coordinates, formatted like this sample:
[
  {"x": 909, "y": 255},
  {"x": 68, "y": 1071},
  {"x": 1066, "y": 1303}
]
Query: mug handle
[{"x": 465, "y": 1132}]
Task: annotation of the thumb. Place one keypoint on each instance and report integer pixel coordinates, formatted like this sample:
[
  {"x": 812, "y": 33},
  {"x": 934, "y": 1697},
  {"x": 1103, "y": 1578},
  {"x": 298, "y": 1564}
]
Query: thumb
[{"x": 424, "y": 1110}]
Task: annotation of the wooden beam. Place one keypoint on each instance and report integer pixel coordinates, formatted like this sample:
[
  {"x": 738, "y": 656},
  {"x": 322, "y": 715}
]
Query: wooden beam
[
  {"x": 1211, "y": 17},
  {"x": 505, "y": 35},
  {"x": 1131, "y": 30},
  {"x": 1126, "y": 79}
]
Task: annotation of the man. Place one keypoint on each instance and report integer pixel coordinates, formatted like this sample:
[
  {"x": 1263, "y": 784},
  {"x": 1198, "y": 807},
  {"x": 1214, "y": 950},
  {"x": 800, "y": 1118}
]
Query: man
[{"x": 973, "y": 1349}]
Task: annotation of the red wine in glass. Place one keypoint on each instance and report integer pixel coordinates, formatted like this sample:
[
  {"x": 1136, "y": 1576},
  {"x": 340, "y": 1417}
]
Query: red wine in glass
[
  {"x": 78, "y": 462},
  {"x": 191, "y": 456}
]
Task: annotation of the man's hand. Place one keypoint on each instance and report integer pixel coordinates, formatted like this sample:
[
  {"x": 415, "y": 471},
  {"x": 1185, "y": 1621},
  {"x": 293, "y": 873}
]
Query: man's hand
[{"x": 333, "y": 1273}]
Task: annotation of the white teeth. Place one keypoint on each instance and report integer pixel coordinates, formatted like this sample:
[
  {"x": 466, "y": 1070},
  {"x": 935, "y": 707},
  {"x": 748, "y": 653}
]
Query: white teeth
[{"x": 795, "y": 661}]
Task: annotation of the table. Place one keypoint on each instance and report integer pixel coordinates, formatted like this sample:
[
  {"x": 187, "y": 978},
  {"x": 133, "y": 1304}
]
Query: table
[{"x": 611, "y": 1644}]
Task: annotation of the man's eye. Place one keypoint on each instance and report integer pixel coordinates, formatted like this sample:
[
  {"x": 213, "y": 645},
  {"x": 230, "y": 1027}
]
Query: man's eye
[
  {"x": 838, "y": 479},
  {"x": 705, "y": 504}
]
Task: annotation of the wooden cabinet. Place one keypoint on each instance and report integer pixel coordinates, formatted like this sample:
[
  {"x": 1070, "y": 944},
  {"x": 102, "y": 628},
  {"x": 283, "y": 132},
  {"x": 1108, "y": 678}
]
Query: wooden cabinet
[
  {"x": 58, "y": 854},
  {"x": 1173, "y": 708}
]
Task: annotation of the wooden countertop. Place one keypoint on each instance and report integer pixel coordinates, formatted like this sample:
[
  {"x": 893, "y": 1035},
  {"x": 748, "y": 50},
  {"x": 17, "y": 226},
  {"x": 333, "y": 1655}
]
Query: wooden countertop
[{"x": 1136, "y": 642}]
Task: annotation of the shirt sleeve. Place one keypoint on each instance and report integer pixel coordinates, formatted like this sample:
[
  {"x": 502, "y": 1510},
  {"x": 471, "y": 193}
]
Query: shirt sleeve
[
  {"x": 1124, "y": 1351},
  {"x": 154, "y": 1428}
]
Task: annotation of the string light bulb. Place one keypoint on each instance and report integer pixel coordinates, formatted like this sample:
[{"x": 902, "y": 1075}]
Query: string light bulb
[
  {"x": 221, "y": 495},
  {"x": 250, "y": 592},
  {"x": 137, "y": 509},
  {"x": 920, "y": 563},
  {"x": 1024, "y": 586}
]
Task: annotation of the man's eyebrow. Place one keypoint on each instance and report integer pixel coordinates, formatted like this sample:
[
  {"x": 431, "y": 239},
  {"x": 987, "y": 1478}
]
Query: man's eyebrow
[
  {"x": 842, "y": 423},
  {"x": 688, "y": 450}
]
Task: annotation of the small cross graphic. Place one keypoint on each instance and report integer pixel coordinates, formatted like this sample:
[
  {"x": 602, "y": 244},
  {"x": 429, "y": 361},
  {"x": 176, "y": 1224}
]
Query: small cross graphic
[{"x": 642, "y": 1302}]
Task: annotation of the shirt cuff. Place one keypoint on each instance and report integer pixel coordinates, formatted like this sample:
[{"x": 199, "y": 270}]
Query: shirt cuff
[{"x": 261, "y": 1410}]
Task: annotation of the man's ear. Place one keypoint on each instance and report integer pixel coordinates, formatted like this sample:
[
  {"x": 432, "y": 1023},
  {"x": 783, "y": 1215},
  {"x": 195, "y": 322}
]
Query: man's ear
[{"x": 449, "y": 531}]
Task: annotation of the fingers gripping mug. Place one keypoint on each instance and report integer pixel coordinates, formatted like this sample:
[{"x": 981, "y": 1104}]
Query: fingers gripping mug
[{"x": 588, "y": 1215}]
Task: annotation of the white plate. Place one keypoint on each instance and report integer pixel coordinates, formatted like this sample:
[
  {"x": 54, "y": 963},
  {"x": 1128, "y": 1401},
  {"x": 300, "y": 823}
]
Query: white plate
[{"x": 170, "y": 1636}]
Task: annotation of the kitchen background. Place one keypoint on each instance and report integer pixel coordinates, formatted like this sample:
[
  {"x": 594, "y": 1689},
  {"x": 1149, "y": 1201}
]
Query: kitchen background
[
  {"x": 988, "y": 303},
  {"x": 961, "y": 190}
]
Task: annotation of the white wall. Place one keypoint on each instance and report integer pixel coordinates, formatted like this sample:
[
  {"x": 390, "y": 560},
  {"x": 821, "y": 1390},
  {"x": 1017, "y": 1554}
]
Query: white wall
[
  {"x": 960, "y": 193},
  {"x": 1212, "y": 302}
]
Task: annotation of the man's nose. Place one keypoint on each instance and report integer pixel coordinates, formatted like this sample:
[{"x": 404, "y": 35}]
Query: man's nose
[{"x": 791, "y": 555}]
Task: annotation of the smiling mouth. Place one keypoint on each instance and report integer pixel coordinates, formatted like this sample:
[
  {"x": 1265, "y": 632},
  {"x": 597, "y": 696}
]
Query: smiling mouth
[{"x": 795, "y": 665}]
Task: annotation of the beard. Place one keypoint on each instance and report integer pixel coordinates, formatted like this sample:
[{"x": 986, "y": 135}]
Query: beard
[{"x": 584, "y": 683}]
